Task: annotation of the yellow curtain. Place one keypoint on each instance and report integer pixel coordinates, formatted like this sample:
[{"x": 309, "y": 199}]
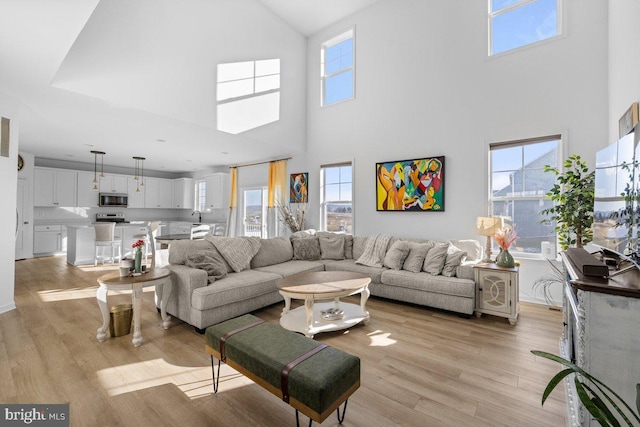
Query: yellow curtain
[
  {"x": 277, "y": 184},
  {"x": 233, "y": 200}
]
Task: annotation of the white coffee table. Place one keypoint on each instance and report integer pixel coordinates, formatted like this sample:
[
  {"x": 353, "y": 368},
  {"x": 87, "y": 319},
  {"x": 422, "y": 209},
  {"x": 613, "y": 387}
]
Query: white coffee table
[
  {"x": 113, "y": 282},
  {"x": 328, "y": 286}
]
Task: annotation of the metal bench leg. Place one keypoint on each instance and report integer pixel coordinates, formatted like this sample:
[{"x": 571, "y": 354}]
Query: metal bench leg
[
  {"x": 298, "y": 421},
  {"x": 344, "y": 410},
  {"x": 213, "y": 373}
]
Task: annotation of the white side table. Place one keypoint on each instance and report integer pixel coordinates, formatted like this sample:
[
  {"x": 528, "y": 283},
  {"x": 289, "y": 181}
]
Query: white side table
[
  {"x": 497, "y": 291},
  {"x": 113, "y": 282}
]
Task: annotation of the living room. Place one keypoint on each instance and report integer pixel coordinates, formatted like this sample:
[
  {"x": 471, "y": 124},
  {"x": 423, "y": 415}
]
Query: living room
[{"x": 425, "y": 86}]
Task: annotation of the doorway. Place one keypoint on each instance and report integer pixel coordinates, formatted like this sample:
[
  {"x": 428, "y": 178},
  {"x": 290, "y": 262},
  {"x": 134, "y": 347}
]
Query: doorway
[{"x": 255, "y": 212}]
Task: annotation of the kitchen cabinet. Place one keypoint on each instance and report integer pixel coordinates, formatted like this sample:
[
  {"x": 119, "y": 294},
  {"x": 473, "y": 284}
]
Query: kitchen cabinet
[
  {"x": 158, "y": 193},
  {"x": 49, "y": 239},
  {"x": 136, "y": 193},
  {"x": 87, "y": 195},
  {"x": 54, "y": 187},
  {"x": 113, "y": 184},
  {"x": 216, "y": 191},
  {"x": 183, "y": 193}
]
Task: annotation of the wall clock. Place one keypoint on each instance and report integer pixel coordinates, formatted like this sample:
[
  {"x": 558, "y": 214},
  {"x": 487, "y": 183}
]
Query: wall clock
[{"x": 20, "y": 162}]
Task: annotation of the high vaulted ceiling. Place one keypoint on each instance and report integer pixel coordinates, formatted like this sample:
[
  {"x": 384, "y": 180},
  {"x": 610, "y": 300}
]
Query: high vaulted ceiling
[{"x": 138, "y": 78}]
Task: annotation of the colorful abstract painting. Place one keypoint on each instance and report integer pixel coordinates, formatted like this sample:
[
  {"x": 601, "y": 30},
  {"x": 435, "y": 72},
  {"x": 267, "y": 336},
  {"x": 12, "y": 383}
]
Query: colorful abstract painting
[
  {"x": 410, "y": 185},
  {"x": 298, "y": 185}
]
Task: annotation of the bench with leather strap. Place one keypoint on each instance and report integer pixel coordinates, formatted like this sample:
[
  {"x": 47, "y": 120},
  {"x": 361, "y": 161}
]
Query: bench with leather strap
[{"x": 312, "y": 377}]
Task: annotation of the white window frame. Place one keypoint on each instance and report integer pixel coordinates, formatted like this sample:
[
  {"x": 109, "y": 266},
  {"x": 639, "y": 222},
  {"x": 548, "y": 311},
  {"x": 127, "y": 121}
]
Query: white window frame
[
  {"x": 351, "y": 33},
  {"x": 491, "y": 198},
  {"x": 324, "y": 202},
  {"x": 507, "y": 9},
  {"x": 200, "y": 192}
]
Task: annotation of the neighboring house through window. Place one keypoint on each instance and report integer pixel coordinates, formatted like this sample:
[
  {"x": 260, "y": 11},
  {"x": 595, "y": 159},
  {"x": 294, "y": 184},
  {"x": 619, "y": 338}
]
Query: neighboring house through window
[
  {"x": 518, "y": 186},
  {"x": 337, "y": 60},
  {"x": 517, "y": 23},
  {"x": 336, "y": 204}
]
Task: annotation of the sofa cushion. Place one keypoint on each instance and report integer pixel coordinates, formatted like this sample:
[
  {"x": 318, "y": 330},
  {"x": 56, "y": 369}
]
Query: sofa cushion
[
  {"x": 331, "y": 245},
  {"x": 473, "y": 248},
  {"x": 348, "y": 246},
  {"x": 350, "y": 265},
  {"x": 292, "y": 267},
  {"x": 358, "y": 246},
  {"x": 306, "y": 249},
  {"x": 397, "y": 253},
  {"x": 272, "y": 251},
  {"x": 416, "y": 256},
  {"x": 374, "y": 251},
  {"x": 436, "y": 258},
  {"x": 180, "y": 249},
  {"x": 237, "y": 251},
  {"x": 466, "y": 270},
  {"x": 236, "y": 287},
  {"x": 455, "y": 256},
  {"x": 209, "y": 261},
  {"x": 427, "y": 282}
]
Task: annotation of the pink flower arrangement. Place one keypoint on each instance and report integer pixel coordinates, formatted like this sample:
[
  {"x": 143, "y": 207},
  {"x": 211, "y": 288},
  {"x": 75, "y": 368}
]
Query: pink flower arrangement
[
  {"x": 505, "y": 237},
  {"x": 138, "y": 245}
]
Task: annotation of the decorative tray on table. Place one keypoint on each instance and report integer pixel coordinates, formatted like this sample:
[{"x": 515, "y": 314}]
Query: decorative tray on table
[{"x": 331, "y": 314}]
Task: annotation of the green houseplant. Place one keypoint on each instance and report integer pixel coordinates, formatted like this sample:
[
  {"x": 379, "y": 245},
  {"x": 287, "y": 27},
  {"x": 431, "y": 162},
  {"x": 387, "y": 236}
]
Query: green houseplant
[{"x": 572, "y": 195}]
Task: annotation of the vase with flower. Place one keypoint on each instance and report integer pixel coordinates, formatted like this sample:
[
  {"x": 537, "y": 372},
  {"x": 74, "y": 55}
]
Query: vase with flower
[
  {"x": 137, "y": 265},
  {"x": 504, "y": 238}
]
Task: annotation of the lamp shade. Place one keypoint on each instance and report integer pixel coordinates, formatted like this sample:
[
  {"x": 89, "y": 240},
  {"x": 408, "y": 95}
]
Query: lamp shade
[{"x": 488, "y": 225}]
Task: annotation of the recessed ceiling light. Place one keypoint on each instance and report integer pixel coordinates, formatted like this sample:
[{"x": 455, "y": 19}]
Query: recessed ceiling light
[
  {"x": 88, "y": 145},
  {"x": 225, "y": 152},
  {"x": 161, "y": 140}
]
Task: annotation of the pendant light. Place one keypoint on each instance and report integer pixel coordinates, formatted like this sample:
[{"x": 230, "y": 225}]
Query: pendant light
[
  {"x": 95, "y": 166},
  {"x": 139, "y": 172}
]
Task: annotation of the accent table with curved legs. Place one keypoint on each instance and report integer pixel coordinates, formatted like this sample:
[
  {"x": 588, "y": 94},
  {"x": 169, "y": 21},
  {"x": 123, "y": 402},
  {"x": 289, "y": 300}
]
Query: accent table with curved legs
[{"x": 113, "y": 282}]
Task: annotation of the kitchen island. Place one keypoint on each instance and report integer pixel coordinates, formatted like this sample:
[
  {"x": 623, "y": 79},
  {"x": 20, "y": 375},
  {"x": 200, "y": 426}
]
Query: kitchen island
[{"x": 80, "y": 241}]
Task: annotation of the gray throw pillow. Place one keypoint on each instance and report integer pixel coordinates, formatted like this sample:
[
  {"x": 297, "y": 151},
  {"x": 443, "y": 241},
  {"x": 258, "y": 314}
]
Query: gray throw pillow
[
  {"x": 454, "y": 258},
  {"x": 306, "y": 249},
  {"x": 416, "y": 256},
  {"x": 395, "y": 256},
  {"x": 435, "y": 259},
  {"x": 209, "y": 261},
  {"x": 331, "y": 245},
  {"x": 237, "y": 251}
]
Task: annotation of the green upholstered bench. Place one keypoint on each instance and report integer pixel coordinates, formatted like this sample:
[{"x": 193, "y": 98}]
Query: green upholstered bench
[{"x": 316, "y": 378}]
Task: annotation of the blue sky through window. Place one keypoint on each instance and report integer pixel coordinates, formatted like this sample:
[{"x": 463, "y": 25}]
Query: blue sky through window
[
  {"x": 337, "y": 69},
  {"x": 527, "y": 24}
]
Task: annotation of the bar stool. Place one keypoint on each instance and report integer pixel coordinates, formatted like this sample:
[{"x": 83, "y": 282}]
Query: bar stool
[{"x": 105, "y": 238}]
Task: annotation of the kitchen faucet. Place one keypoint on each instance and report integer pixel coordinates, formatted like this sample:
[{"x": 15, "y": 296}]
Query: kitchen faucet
[{"x": 199, "y": 216}]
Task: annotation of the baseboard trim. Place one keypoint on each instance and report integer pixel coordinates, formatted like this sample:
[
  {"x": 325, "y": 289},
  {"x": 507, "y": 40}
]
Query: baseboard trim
[{"x": 8, "y": 307}]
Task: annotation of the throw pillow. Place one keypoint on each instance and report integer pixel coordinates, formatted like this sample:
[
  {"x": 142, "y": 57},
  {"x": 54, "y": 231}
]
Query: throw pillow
[
  {"x": 397, "y": 253},
  {"x": 237, "y": 251},
  {"x": 306, "y": 249},
  {"x": 454, "y": 258},
  {"x": 416, "y": 256},
  {"x": 374, "y": 251},
  {"x": 473, "y": 248},
  {"x": 272, "y": 251},
  {"x": 331, "y": 246},
  {"x": 180, "y": 249},
  {"x": 435, "y": 259},
  {"x": 358, "y": 246},
  {"x": 348, "y": 246},
  {"x": 209, "y": 261},
  {"x": 303, "y": 234}
]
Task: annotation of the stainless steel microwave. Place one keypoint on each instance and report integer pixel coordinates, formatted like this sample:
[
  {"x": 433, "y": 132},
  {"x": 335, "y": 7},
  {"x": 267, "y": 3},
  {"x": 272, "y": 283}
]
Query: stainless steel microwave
[{"x": 114, "y": 199}]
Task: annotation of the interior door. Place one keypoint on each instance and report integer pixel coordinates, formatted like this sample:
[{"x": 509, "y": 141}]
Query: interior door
[{"x": 22, "y": 224}]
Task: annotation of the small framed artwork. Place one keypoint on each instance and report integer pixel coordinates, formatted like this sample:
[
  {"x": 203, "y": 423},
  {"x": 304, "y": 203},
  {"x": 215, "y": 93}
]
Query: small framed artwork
[
  {"x": 410, "y": 185},
  {"x": 298, "y": 187},
  {"x": 629, "y": 120}
]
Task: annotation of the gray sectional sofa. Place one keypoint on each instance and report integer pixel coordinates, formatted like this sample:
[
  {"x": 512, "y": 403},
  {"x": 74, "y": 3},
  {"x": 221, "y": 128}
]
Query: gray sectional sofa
[{"x": 208, "y": 289}]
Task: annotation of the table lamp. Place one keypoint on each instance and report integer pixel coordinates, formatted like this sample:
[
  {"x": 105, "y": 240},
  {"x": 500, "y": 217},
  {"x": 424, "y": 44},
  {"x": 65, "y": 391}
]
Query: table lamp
[{"x": 488, "y": 226}]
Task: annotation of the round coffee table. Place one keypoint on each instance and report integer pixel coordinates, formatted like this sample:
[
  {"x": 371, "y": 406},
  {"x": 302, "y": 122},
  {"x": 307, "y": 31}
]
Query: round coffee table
[{"x": 328, "y": 286}]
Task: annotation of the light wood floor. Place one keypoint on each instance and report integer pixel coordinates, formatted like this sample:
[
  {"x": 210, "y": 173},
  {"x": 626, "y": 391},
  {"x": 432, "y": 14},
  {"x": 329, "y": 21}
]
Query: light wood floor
[{"x": 420, "y": 367}]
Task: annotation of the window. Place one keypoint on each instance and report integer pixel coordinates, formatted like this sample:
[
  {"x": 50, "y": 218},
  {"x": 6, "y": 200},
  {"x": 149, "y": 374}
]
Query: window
[
  {"x": 255, "y": 212},
  {"x": 518, "y": 186},
  {"x": 338, "y": 69},
  {"x": 336, "y": 183},
  {"x": 201, "y": 195},
  {"x": 517, "y": 23}
]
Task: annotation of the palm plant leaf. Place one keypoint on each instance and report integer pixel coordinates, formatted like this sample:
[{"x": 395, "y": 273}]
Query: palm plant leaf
[{"x": 591, "y": 407}]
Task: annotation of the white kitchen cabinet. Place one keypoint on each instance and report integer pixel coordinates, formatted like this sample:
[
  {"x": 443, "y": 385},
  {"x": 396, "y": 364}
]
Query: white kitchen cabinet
[
  {"x": 54, "y": 187},
  {"x": 113, "y": 184},
  {"x": 158, "y": 193},
  {"x": 49, "y": 239},
  {"x": 217, "y": 192},
  {"x": 183, "y": 193},
  {"x": 87, "y": 195},
  {"x": 136, "y": 193}
]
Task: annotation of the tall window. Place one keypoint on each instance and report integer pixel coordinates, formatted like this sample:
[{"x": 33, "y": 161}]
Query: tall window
[
  {"x": 201, "y": 195},
  {"x": 336, "y": 185},
  {"x": 518, "y": 186},
  {"x": 255, "y": 212},
  {"x": 517, "y": 23},
  {"x": 338, "y": 69}
]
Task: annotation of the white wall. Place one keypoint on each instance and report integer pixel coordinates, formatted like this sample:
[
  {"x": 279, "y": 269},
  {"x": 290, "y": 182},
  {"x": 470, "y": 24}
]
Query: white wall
[
  {"x": 624, "y": 60},
  {"x": 8, "y": 178},
  {"x": 425, "y": 87}
]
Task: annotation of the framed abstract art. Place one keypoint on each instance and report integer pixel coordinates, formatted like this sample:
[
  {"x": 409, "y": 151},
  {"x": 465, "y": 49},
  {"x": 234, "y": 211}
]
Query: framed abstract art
[
  {"x": 298, "y": 187},
  {"x": 410, "y": 185}
]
